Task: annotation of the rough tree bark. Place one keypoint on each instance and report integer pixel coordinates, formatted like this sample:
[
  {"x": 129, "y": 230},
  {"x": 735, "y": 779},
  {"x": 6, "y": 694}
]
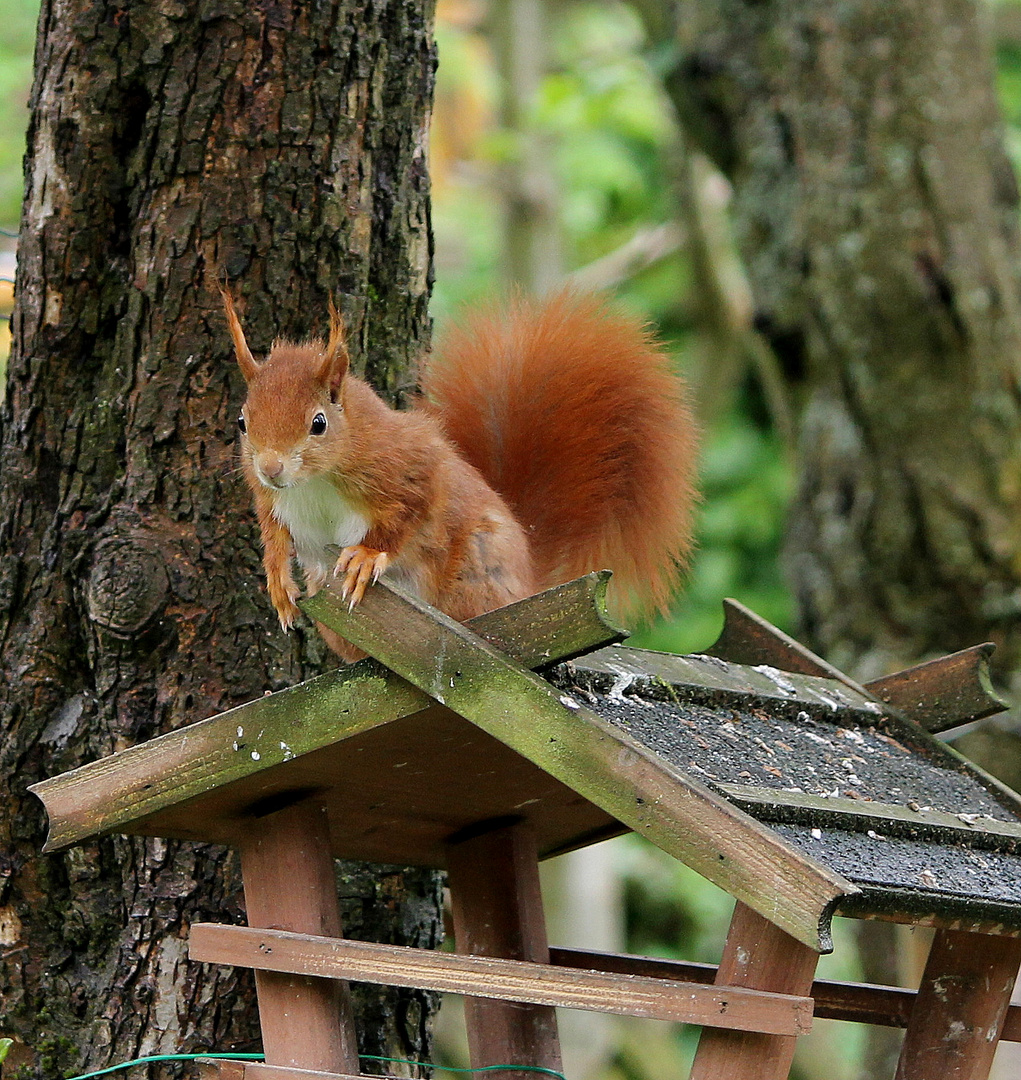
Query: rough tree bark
[
  {"x": 281, "y": 145},
  {"x": 877, "y": 212},
  {"x": 878, "y": 216}
]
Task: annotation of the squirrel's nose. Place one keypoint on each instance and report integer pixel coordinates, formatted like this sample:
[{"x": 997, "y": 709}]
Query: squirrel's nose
[{"x": 269, "y": 465}]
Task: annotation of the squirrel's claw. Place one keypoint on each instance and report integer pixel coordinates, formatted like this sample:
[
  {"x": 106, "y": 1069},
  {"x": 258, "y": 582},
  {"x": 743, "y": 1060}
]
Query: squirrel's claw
[
  {"x": 360, "y": 567},
  {"x": 283, "y": 597}
]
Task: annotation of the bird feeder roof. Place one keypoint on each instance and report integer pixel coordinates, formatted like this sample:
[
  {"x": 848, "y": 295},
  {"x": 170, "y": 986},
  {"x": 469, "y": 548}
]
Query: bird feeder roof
[{"x": 801, "y": 794}]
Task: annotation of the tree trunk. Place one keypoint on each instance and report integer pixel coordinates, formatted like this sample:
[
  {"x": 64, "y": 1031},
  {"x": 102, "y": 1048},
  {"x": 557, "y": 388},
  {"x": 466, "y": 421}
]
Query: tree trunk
[
  {"x": 280, "y": 146},
  {"x": 877, "y": 212},
  {"x": 531, "y": 252}
]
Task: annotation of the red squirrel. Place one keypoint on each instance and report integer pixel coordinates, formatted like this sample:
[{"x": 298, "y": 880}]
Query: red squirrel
[{"x": 550, "y": 439}]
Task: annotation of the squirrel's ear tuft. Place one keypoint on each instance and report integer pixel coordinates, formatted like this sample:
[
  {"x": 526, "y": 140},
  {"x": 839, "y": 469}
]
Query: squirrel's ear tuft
[
  {"x": 247, "y": 362},
  {"x": 336, "y": 359}
]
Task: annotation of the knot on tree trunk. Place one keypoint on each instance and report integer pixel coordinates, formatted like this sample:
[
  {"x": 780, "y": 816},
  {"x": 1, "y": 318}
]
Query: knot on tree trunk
[{"x": 128, "y": 585}]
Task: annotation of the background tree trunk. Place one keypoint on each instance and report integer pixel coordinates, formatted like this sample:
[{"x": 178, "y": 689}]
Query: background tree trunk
[
  {"x": 283, "y": 146},
  {"x": 878, "y": 216},
  {"x": 877, "y": 213}
]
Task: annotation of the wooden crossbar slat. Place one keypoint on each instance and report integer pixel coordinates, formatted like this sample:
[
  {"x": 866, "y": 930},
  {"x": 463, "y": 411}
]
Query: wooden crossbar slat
[
  {"x": 862, "y": 1003},
  {"x": 512, "y": 980},
  {"x": 775, "y": 804}
]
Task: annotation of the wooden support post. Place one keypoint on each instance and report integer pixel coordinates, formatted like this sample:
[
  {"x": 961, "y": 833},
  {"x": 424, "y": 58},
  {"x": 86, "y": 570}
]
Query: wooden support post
[
  {"x": 287, "y": 867},
  {"x": 958, "y": 1015},
  {"x": 497, "y": 908},
  {"x": 760, "y": 956}
]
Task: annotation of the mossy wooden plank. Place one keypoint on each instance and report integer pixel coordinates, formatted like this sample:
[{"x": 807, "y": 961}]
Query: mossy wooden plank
[
  {"x": 705, "y": 677},
  {"x": 138, "y": 782},
  {"x": 506, "y": 980},
  {"x": 972, "y": 830},
  {"x": 549, "y": 727}
]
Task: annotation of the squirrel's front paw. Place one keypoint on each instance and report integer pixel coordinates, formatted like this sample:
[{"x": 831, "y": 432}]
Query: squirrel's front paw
[
  {"x": 283, "y": 596},
  {"x": 360, "y": 566}
]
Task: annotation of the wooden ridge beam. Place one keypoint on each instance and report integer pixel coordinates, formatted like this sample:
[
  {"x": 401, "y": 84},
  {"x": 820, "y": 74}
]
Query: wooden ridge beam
[
  {"x": 732, "y": 1008},
  {"x": 944, "y": 693},
  {"x": 937, "y": 695},
  {"x": 643, "y": 672},
  {"x": 747, "y": 638}
]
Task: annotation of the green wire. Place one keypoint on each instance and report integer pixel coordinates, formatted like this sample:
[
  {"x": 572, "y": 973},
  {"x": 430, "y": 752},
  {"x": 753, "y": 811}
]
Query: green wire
[
  {"x": 167, "y": 1057},
  {"x": 363, "y": 1057}
]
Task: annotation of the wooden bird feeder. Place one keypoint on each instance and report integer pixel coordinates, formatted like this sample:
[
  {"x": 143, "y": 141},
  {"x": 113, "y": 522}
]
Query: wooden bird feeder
[{"x": 799, "y": 792}]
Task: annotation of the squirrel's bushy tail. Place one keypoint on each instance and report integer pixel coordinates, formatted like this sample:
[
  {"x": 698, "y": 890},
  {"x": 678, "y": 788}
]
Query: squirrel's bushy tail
[{"x": 572, "y": 413}]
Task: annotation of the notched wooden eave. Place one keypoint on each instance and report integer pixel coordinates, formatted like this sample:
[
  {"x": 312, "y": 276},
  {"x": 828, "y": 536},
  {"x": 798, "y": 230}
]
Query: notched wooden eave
[{"x": 943, "y": 911}]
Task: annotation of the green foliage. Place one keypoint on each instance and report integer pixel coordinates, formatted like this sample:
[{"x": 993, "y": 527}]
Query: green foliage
[
  {"x": 745, "y": 484},
  {"x": 607, "y": 125},
  {"x": 610, "y": 125},
  {"x": 16, "y": 47}
]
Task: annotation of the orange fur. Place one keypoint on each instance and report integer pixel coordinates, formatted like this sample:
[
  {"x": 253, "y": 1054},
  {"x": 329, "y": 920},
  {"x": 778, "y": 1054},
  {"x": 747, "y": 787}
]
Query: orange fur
[
  {"x": 552, "y": 440},
  {"x": 573, "y": 415}
]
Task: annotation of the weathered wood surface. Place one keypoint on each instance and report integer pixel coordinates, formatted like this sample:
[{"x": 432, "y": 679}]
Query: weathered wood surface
[
  {"x": 757, "y": 954},
  {"x": 774, "y": 804},
  {"x": 119, "y": 791},
  {"x": 512, "y": 980},
  {"x": 600, "y": 761},
  {"x": 704, "y": 677},
  {"x": 960, "y": 1009},
  {"x": 905, "y": 906},
  {"x": 747, "y": 638},
  {"x": 397, "y": 792},
  {"x": 938, "y": 695},
  {"x": 496, "y": 903},
  {"x": 290, "y": 883},
  {"x": 862, "y": 1003},
  {"x": 943, "y": 693}
]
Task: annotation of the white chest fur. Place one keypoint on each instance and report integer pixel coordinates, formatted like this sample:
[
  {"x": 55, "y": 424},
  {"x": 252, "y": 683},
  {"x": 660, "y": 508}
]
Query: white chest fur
[{"x": 316, "y": 515}]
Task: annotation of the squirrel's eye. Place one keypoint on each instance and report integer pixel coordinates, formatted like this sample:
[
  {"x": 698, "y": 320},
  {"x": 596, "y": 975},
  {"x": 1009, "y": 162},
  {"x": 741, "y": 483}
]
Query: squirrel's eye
[
  {"x": 318, "y": 424},
  {"x": 242, "y": 426}
]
